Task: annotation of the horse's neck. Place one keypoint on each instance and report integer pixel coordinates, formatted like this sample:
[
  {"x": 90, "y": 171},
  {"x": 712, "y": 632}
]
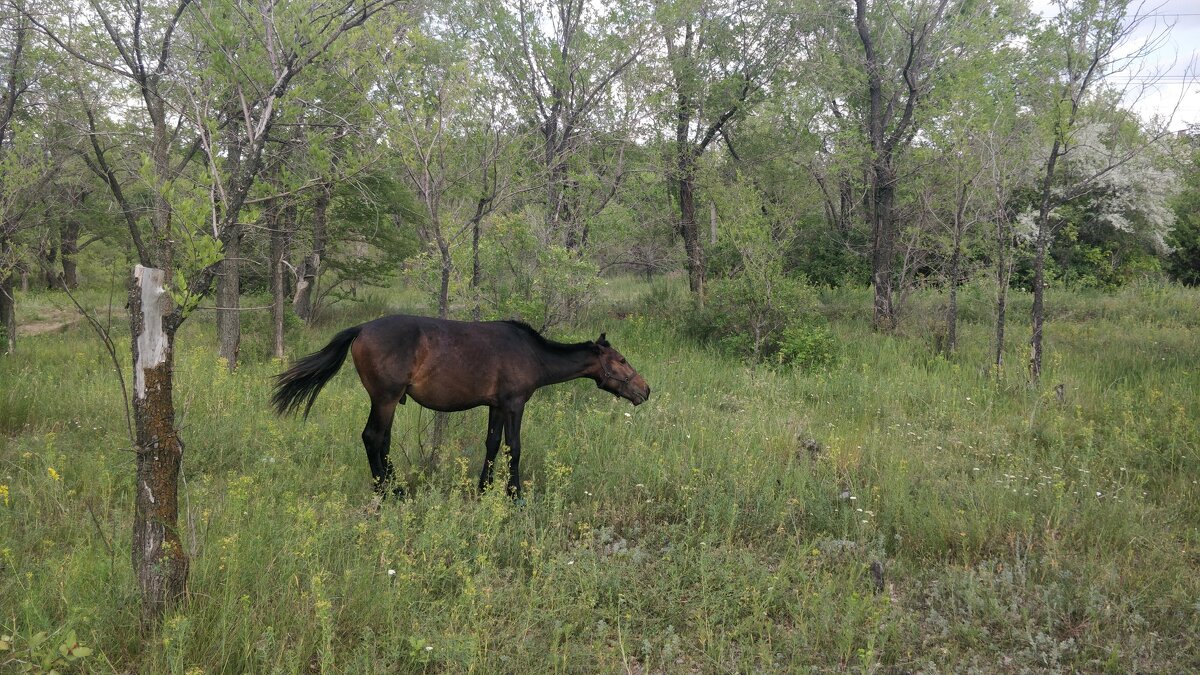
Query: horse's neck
[{"x": 560, "y": 366}]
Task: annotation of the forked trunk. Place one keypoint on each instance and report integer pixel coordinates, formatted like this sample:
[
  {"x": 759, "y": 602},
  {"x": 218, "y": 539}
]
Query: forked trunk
[
  {"x": 8, "y": 317},
  {"x": 160, "y": 562}
]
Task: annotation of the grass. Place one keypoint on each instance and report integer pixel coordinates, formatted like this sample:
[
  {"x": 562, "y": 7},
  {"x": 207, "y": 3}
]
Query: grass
[{"x": 696, "y": 533}]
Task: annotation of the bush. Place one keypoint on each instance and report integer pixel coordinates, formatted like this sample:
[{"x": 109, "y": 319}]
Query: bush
[
  {"x": 808, "y": 346},
  {"x": 749, "y": 315}
]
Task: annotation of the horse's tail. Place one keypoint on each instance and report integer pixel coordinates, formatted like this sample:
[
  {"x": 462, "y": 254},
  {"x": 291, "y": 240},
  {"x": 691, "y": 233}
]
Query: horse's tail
[{"x": 306, "y": 376}]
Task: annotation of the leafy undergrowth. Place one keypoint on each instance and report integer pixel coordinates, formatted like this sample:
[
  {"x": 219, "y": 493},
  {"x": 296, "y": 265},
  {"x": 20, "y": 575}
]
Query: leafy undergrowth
[{"x": 730, "y": 524}]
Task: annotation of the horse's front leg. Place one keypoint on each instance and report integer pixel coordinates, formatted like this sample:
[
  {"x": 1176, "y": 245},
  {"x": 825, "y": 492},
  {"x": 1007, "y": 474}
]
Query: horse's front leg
[{"x": 492, "y": 444}]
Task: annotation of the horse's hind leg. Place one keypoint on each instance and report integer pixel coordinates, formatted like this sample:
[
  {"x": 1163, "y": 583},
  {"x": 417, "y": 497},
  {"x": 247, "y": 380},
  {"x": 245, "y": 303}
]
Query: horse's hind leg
[
  {"x": 377, "y": 439},
  {"x": 495, "y": 426}
]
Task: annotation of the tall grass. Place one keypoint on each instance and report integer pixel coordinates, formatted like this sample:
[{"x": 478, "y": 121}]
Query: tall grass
[{"x": 696, "y": 533}]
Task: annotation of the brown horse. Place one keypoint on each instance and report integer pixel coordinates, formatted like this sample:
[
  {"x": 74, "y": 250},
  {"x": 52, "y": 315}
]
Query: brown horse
[{"x": 450, "y": 366}]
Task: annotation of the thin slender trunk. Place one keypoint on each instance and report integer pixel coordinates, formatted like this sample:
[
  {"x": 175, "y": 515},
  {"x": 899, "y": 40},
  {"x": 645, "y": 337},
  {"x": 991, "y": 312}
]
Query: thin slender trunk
[
  {"x": 476, "y": 268},
  {"x": 278, "y": 286},
  {"x": 952, "y": 307},
  {"x": 688, "y": 228},
  {"x": 883, "y": 247},
  {"x": 1002, "y": 276},
  {"x": 8, "y": 316},
  {"x": 49, "y": 262},
  {"x": 69, "y": 237},
  {"x": 159, "y": 559},
  {"x": 229, "y": 293},
  {"x": 306, "y": 296},
  {"x": 1038, "y": 314}
]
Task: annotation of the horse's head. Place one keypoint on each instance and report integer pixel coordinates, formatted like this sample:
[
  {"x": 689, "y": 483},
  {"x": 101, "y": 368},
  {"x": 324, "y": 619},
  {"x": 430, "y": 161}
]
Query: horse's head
[{"x": 616, "y": 376}]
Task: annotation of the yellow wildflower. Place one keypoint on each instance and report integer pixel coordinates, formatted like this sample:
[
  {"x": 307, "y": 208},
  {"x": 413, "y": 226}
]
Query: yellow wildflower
[
  {"x": 4, "y": 493},
  {"x": 53, "y": 474}
]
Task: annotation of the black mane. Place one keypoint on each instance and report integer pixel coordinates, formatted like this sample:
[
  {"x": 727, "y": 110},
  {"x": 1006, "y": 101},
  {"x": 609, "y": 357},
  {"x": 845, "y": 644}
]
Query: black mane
[{"x": 543, "y": 340}]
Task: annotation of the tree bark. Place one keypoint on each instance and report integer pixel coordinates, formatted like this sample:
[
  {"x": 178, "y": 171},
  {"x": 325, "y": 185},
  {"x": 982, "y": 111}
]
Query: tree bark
[
  {"x": 1038, "y": 314},
  {"x": 8, "y": 317},
  {"x": 883, "y": 249},
  {"x": 69, "y": 236},
  {"x": 305, "y": 298},
  {"x": 229, "y": 294},
  {"x": 278, "y": 285},
  {"x": 688, "y": 228},
  {"x": 1001, "y": 292},
  {"x": 952, "y": 305},
  {"x": 160, "y": 563}
]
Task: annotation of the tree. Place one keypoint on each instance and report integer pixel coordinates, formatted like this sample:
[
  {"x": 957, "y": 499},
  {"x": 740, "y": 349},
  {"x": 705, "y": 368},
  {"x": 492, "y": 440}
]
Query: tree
[
  {"x": 138, "y": 46},
  {"x": 720, "y": 59},
  {"x": 1083, "y": 44},
  {"x": 558, "y": 61}
]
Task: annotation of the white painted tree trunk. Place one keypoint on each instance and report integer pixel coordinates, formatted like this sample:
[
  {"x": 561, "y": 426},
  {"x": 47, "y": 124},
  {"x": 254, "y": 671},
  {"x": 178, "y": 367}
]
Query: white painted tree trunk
[{"x": 160, "y": 562}]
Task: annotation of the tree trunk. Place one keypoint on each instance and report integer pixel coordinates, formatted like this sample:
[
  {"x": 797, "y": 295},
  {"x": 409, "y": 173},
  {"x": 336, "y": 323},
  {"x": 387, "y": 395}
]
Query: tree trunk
[
  {"x": 278, "y": 286},
  {"x": 883, "y": 250},
  {"x": 229, "y": 293},
  {"x": 688, "y": 228},
  {"x": 49, "y": 263},
  {"x": 476, "y": 268},
  {"x": 952, "y": 305},
  {"x": 1001, "y": 291},
  {"x": 8, "y": 298},
  {"x": 1038, "y": 315},
  {"x": 305, "y": 299},
  {"x": 69, "y": 234},
  {"x": 160, "y": 562}
]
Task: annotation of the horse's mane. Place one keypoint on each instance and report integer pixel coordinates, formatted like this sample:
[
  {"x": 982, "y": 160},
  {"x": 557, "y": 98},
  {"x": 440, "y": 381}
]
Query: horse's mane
[{"x": 543, "y": 340}]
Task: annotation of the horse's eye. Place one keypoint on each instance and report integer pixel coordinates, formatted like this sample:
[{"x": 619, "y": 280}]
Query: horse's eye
[{"x": 622, "y": 361}]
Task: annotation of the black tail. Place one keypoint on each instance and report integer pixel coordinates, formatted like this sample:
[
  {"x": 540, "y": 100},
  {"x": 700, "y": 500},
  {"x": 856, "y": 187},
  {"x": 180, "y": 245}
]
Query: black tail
[{"x": 306, "y": 376}]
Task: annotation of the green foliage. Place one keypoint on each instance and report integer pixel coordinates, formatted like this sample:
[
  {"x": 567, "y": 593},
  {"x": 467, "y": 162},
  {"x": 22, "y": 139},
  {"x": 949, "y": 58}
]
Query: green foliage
[
  {"x": 746, "y": 316},
  {"x": 544, "y": 284},
  {"x": 809, "y": 345},
  {"x": 43, "y": 653},
  {"x": 1183, "y": 264}
]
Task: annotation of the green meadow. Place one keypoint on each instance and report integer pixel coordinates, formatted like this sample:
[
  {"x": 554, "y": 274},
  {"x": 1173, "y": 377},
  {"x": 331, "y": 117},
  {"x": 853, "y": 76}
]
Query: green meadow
[{"x": 737, "y": 522}]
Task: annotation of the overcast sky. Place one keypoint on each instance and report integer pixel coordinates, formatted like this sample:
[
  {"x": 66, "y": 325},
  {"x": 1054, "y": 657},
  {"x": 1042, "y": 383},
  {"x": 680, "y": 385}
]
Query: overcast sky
[{"x": 1176, "y": 61}]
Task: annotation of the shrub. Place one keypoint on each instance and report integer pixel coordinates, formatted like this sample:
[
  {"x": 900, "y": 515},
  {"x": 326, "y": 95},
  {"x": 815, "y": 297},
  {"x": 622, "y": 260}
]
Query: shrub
[
  {"x": 808, "y": 345},
  {"x": 747, "y": 315}
]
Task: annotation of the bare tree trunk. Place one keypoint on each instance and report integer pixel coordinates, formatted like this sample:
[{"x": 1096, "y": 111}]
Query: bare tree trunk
[
  {"x": 688, "y": 228},
  {"x": 305, "y": 299},
  {"x": 1001, "y": 291},
  {"x": 883, "y": 250},
  {"x": 1038, "y": 315},
  {"x": 277, "y": 224},
  {"x": 952, "y": 305},
  {"x": 69, "y": 235},
  {"x": 476, "y": 268},
  {"x": 159, "y": 559},
  {"x": 229, "y": 294},
  {"x": 8, "y": 316},
  {"x": 49, "y": 263}
]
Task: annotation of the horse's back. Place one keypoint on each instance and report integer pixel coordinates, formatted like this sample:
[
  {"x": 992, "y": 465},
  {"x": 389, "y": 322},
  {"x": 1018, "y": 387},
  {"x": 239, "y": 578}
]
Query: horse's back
[{"x": 442, "y": 364}]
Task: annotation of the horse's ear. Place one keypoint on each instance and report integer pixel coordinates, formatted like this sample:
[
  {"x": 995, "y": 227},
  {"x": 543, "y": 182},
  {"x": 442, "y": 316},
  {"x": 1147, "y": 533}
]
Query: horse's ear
[{"x": 602, "y": 341}]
